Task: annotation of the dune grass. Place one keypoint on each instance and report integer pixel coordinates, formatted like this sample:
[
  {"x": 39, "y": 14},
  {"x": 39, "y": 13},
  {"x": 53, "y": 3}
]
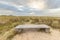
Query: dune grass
[
  {"x": 9, "y": 22},
  {"x": 8, "y": 35}
]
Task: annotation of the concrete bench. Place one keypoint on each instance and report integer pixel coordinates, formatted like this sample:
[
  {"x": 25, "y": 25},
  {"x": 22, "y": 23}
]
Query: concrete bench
[{"x": 19, "y": 28}]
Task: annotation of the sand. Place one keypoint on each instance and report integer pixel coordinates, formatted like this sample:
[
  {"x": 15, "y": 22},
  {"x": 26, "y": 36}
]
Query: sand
[{"x": 35, "y": 35}]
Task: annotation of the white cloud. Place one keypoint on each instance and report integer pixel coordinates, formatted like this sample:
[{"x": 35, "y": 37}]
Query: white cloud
[
  {"x": 39, "y": 4},
  {"x": 6, "y": 12},
  {"x": 32, "y": 13},
  {"x": 52, "y": 12},
  {"x": 57, "y": 10},
  {"x": 34, "y": 5}
]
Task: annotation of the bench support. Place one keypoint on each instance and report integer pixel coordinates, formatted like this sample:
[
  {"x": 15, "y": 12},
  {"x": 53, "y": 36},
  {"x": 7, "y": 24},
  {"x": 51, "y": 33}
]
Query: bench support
[{"x": 47, "y": 30}]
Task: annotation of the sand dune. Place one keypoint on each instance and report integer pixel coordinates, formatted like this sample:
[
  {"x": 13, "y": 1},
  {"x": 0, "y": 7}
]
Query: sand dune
[{"x": 34, "y": 35}]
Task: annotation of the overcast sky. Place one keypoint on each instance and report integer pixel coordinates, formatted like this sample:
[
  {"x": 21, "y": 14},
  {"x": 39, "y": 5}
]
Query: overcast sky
[{"x": 30, "y": 7}]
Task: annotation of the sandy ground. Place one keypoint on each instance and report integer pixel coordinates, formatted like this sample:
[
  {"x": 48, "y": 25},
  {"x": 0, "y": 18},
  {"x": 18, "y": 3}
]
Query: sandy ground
[{"x": 34, "y": 35}]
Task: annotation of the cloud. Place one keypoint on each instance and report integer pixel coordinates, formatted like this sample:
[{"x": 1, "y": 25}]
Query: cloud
[
  {"x": 53, "y": 3},
  {"x": 11, "y": 7},
  {"x": 27, "y": 9},
  {"x": 49, "y": 3},
  {"x": 52, "y": 12},
  {"x": 6, "y": 12},
  {"x": 56, "y": 10},
  {"x": 17, "y": 8},
  {"x": 39, "y": 4}
]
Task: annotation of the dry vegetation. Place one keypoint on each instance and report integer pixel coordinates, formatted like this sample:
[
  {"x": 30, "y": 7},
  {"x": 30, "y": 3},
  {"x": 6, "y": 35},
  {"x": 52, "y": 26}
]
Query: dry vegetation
[{"x": 9, "y": 22}]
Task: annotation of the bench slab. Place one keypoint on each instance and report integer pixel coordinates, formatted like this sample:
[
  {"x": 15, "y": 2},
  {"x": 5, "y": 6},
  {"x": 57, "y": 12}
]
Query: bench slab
[{"x": 32, "y": 26}]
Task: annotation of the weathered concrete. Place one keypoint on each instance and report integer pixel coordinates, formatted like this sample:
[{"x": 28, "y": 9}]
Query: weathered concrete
[{"x": 42, "y": 26}]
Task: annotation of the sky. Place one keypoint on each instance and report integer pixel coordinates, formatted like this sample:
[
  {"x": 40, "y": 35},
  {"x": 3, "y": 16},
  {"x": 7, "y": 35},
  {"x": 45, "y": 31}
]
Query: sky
[{"x": 30, "y": 7}]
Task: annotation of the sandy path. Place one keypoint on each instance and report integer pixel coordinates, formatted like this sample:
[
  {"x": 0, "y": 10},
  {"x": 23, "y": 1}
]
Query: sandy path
[{"x": 34, "y": 35}]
